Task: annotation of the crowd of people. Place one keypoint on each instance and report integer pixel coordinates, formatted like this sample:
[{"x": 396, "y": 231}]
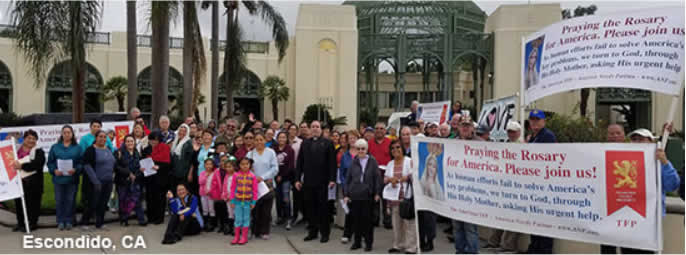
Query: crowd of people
[{"x": 227, "y": 176}]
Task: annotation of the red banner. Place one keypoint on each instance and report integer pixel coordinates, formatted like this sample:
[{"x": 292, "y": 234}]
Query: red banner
[
  {"x": 7, "y": 155},
  {"x": 120, "y": 132},
  {"x": 625, "y": 181}
]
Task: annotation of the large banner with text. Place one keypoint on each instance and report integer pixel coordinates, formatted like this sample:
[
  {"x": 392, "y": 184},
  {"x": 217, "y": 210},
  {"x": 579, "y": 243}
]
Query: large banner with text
[
  {"x": 434, "y": 112},
  {"x": 641, "y": 49},
  {"x": 49, "y": 134},
  {"x": 596, "y": 193},
  {"x": 10, "y": 181}
]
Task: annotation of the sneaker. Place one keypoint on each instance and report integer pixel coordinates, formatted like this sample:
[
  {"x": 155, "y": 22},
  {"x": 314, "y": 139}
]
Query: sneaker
[
  {"x": 68, "y": 226},
  {"x": 265, "y": 237},
  {"x": 288, "y": 226},
  {"x": 345, "y": 240},
  {"x": 60, "y": 226},
  {"x": 491, "y": 247}
]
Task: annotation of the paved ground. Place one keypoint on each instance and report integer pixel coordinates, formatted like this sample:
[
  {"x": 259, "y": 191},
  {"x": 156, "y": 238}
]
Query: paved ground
[{"x": 281, "y": 241}]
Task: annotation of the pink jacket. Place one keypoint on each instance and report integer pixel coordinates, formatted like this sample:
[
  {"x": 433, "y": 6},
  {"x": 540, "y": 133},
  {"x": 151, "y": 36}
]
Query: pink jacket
[
  {"x": 219, "y": 188},
  {"x": 244, "y": 187},
  {"x": 202, "y": 182}
]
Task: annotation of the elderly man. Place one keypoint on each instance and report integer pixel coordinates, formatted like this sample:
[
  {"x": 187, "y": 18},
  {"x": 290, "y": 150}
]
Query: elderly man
[
  {"x": 670, "y": 181},
  {"x": 455, "y": 125},
  {"x": 167, "y": 134},
  {"x": 134, "y": 113},
  {"x": 226, "y": 132},
  {"x": 484, "y": 132},
  {"x": 540, "y": 134},
  {"x": 514, "y": 132},
  {"x": 413, "y": 109},
  {"x": 188, "y": 120},
  {"x": 444, "y": 130},
  {"x": 315, "y": 174},
  {"x": 379, "y": 148},
  {"x": 615, "y": 133}
]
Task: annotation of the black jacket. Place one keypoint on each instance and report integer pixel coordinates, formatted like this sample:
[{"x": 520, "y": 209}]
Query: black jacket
[
  {"x": 34, "y": 183},
  {"x": 316, "y": 162},
  {"x": 371, "y": 184},
  {"x": 122, "y": 170}
]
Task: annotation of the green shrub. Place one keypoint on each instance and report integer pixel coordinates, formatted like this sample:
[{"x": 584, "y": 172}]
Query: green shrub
[
  {"x": 10, "y": 119},
  {"x": 576, "y": 129}
]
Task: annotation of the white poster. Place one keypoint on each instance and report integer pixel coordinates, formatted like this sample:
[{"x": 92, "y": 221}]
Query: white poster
[
  {"x": 49, "y": 134},
  {"x": 642, "y": 49},
  {"x": 10, "y": 181},
  {"x": 434, "y": 112},
  {"x": 562, "y": 191},
  {"x": 496, "y": 114}
]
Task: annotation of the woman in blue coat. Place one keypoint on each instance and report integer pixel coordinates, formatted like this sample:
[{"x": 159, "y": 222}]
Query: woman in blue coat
[{"x": 63, "y": 180}]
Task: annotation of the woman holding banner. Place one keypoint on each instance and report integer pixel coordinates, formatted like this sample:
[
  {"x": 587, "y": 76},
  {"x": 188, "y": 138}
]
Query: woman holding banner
[
  {"x": 30, "y": 161},
  {"x": 67, "y": 152}
]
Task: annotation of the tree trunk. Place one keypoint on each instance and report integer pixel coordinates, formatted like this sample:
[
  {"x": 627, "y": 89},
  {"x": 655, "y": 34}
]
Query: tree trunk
[
  {"x": 227, "y": 82},
  {"x": 215, "y": 60},
  {"x": 120, "y": 102},
  {"x": 585, "y": 93},
  {"x": 160, "y": 66},
  {"x": 131, "y": 55},
  {"x": 275, "y": 109},
  {"x": 78, "y": 91},
  {"x": 188, "y": 42}
]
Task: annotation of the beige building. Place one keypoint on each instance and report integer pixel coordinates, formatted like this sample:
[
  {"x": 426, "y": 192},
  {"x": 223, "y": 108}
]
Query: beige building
[{"x": 321, "y": 66}]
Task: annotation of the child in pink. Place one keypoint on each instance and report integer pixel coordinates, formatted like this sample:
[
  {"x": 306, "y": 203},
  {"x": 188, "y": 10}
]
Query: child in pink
[
  {"x": 243, "y": 197},
  {"x": 221, "y": 185},
  {"x": 205, "y": 183}
]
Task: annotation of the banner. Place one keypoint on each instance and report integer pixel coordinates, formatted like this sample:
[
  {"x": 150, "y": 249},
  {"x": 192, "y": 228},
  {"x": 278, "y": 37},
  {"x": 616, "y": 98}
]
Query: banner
[
  {"x": 434, "y": 112},
  {"x": 496, "y": 114},
  {"x": 10, "y": 182},
  {"x": 49, "y": 134},
  {"x": 607, "y": 196},
  {"x": 639, "y": 49}
]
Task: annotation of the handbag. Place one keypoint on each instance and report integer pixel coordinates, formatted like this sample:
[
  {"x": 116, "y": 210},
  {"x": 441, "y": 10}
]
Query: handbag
[{"x": 406, "y": 207}]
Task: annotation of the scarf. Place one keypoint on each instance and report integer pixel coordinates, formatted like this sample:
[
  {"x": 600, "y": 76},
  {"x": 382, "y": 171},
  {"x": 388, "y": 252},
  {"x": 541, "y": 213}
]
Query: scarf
[
  {"x": 160, "y": 153},
  {"x": 177, "y": 145}
]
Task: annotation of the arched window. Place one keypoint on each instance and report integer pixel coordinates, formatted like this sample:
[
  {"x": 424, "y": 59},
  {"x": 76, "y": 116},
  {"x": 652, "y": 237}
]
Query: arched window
[
  {"x": 145, "y": 88},
  {"x": 5, "y": 88},
  {"x": 59, "y": 89},
  {"x": 245, "y": 97}
]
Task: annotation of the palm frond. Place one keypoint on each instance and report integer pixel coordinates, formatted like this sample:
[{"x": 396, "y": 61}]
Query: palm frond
[
  {"x": 251, "y": 6},
  {"x": 279, "y": 31},
  {"x": 199, "y": 60},
  {"x": 234, "y": 52},
  {"x": 156, "y": 10}
]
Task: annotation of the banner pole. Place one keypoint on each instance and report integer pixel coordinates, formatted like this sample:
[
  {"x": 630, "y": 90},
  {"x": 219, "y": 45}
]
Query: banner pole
[
  {"x": 659, "y": 203},
  {"x": 415, "y": 172},
  {"x": 522, "y": 110},
  {"x": 21, "y": 187},
  {"x": 670, "y": 119}
]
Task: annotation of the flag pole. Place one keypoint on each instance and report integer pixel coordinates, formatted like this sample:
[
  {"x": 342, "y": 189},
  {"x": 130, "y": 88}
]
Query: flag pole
[
  {"x": 21, "y": 187},
  {"x": 522, "y": 108}
]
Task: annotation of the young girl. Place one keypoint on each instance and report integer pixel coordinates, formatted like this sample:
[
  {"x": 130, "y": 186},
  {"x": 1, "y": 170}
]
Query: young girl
[
  {"x": 219, "y": 179},
  {"x": 205, "y": 183},
  {"x": 228, "y": 167},
  {"x": 243, "y": 197}
]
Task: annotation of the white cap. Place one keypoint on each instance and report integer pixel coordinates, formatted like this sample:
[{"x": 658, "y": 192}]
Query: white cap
[
  {"x": 513, "y": 126},
  {"x": 433, "y": 123},
  {"x": 642, "y": 132}
]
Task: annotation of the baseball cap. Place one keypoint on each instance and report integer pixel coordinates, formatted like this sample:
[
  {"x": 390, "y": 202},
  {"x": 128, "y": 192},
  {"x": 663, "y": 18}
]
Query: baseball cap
[
  {"x": 642, "y": 132},
  {"x": 513, "y": 126},
  {"x": 465, "y": 119},
  {"x": 433, "y": 123},
  {"x": 482, "y": 129},
  {"x": 369, "y": 129},
  {"x": 536, "y": 113}
]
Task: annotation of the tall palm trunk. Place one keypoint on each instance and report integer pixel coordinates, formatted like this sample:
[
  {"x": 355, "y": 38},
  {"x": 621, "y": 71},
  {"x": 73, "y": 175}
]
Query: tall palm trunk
[
  {"x": 188, "y": 42},
  {"x": 131, "y": 55},
  {"x": 78, "y": 63},
  {"x": 160, "y": 62},
  {"x": 230, "y": 24},
  {"x": 215, "y": 60}
]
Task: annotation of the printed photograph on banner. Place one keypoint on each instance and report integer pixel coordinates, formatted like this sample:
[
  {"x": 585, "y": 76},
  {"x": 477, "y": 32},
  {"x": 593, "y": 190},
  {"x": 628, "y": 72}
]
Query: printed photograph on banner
[
  {"x": 431, "y": 170},
  {"x": 533, "y": 53},
  {"x": 6, "y": 136},
  {"x": 625, "y": 181},
  {"x": 7, "y": 155}
]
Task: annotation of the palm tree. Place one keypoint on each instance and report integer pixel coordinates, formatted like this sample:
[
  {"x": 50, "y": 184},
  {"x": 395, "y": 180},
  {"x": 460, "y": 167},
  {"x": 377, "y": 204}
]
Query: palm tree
[
  {"x": 116, "y": 88},
  {"x": 131, "y": 54},
  {"x": 234, "y": 55},
  {"x": 274, "y": 88},
  {"x": 49, "y": 31},
  {"x": 214, "y": 45},
  {"x": 188, "y": 26},
  {"x": 161, "y": 14}
]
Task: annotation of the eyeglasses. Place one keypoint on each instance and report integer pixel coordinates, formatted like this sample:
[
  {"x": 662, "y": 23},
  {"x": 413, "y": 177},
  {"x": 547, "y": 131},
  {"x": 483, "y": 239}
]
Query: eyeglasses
[
  {"x": 361, "y": 148},
  {"x": 396, "y": 147},
  {"x": 231, "y": 126},
  {"x": 248, "y": 137},
  {"x": 380, "y": 128}
]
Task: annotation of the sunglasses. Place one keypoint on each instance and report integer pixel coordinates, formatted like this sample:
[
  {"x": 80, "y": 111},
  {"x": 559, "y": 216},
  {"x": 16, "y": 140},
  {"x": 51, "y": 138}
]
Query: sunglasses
[
  {"x": 396, "y": 147},
  {"x": 360, "y": 148},
  {"x": 248, "y": 137}
]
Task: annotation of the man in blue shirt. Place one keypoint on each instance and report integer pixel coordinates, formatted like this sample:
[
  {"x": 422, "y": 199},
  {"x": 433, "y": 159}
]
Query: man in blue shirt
[
  {"x": 540, "y": 134},
  {"x": 88, "y": 139}
]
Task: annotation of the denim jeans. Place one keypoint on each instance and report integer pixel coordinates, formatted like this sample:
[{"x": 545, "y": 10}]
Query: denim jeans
[
  {"x": 283, "y": 200},
  {"x": 466, "y": 237},
  {"x": 98, "y": 204},
  {"x": 64, "y": 199}
]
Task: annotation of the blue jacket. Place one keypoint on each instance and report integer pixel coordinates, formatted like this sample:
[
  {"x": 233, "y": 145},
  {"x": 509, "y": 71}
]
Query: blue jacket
[
  {"x": 88, "y": 140},
  {"x": 670, "y": 182},
  {"x": 175, "y": 206},
  {"x": 58, "y": 151},
  {"x": 346, "y": 163},
  {"x": 543, "y": 136}
]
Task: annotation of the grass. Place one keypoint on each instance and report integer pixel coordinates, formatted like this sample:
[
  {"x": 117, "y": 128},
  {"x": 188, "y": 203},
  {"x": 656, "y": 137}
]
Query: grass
[{"x": 48, "y": 203}]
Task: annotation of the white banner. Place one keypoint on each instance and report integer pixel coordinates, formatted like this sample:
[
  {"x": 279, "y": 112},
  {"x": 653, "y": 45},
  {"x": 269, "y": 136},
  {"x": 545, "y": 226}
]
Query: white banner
[
  {"x": 596, "y": 193},
  {"x": 10, "y": 181},
  {"x": 641, "y": 49},
  {"x": 495, "y": 114},
  {"x": 434, "y": 112},
  {"x": 49, "y": 134}
]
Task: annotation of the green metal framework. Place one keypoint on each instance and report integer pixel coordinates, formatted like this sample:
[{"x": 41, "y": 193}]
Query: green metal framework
[
  {"x": 442, "y": 34},
  {"x": 59, "y": 88}
]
